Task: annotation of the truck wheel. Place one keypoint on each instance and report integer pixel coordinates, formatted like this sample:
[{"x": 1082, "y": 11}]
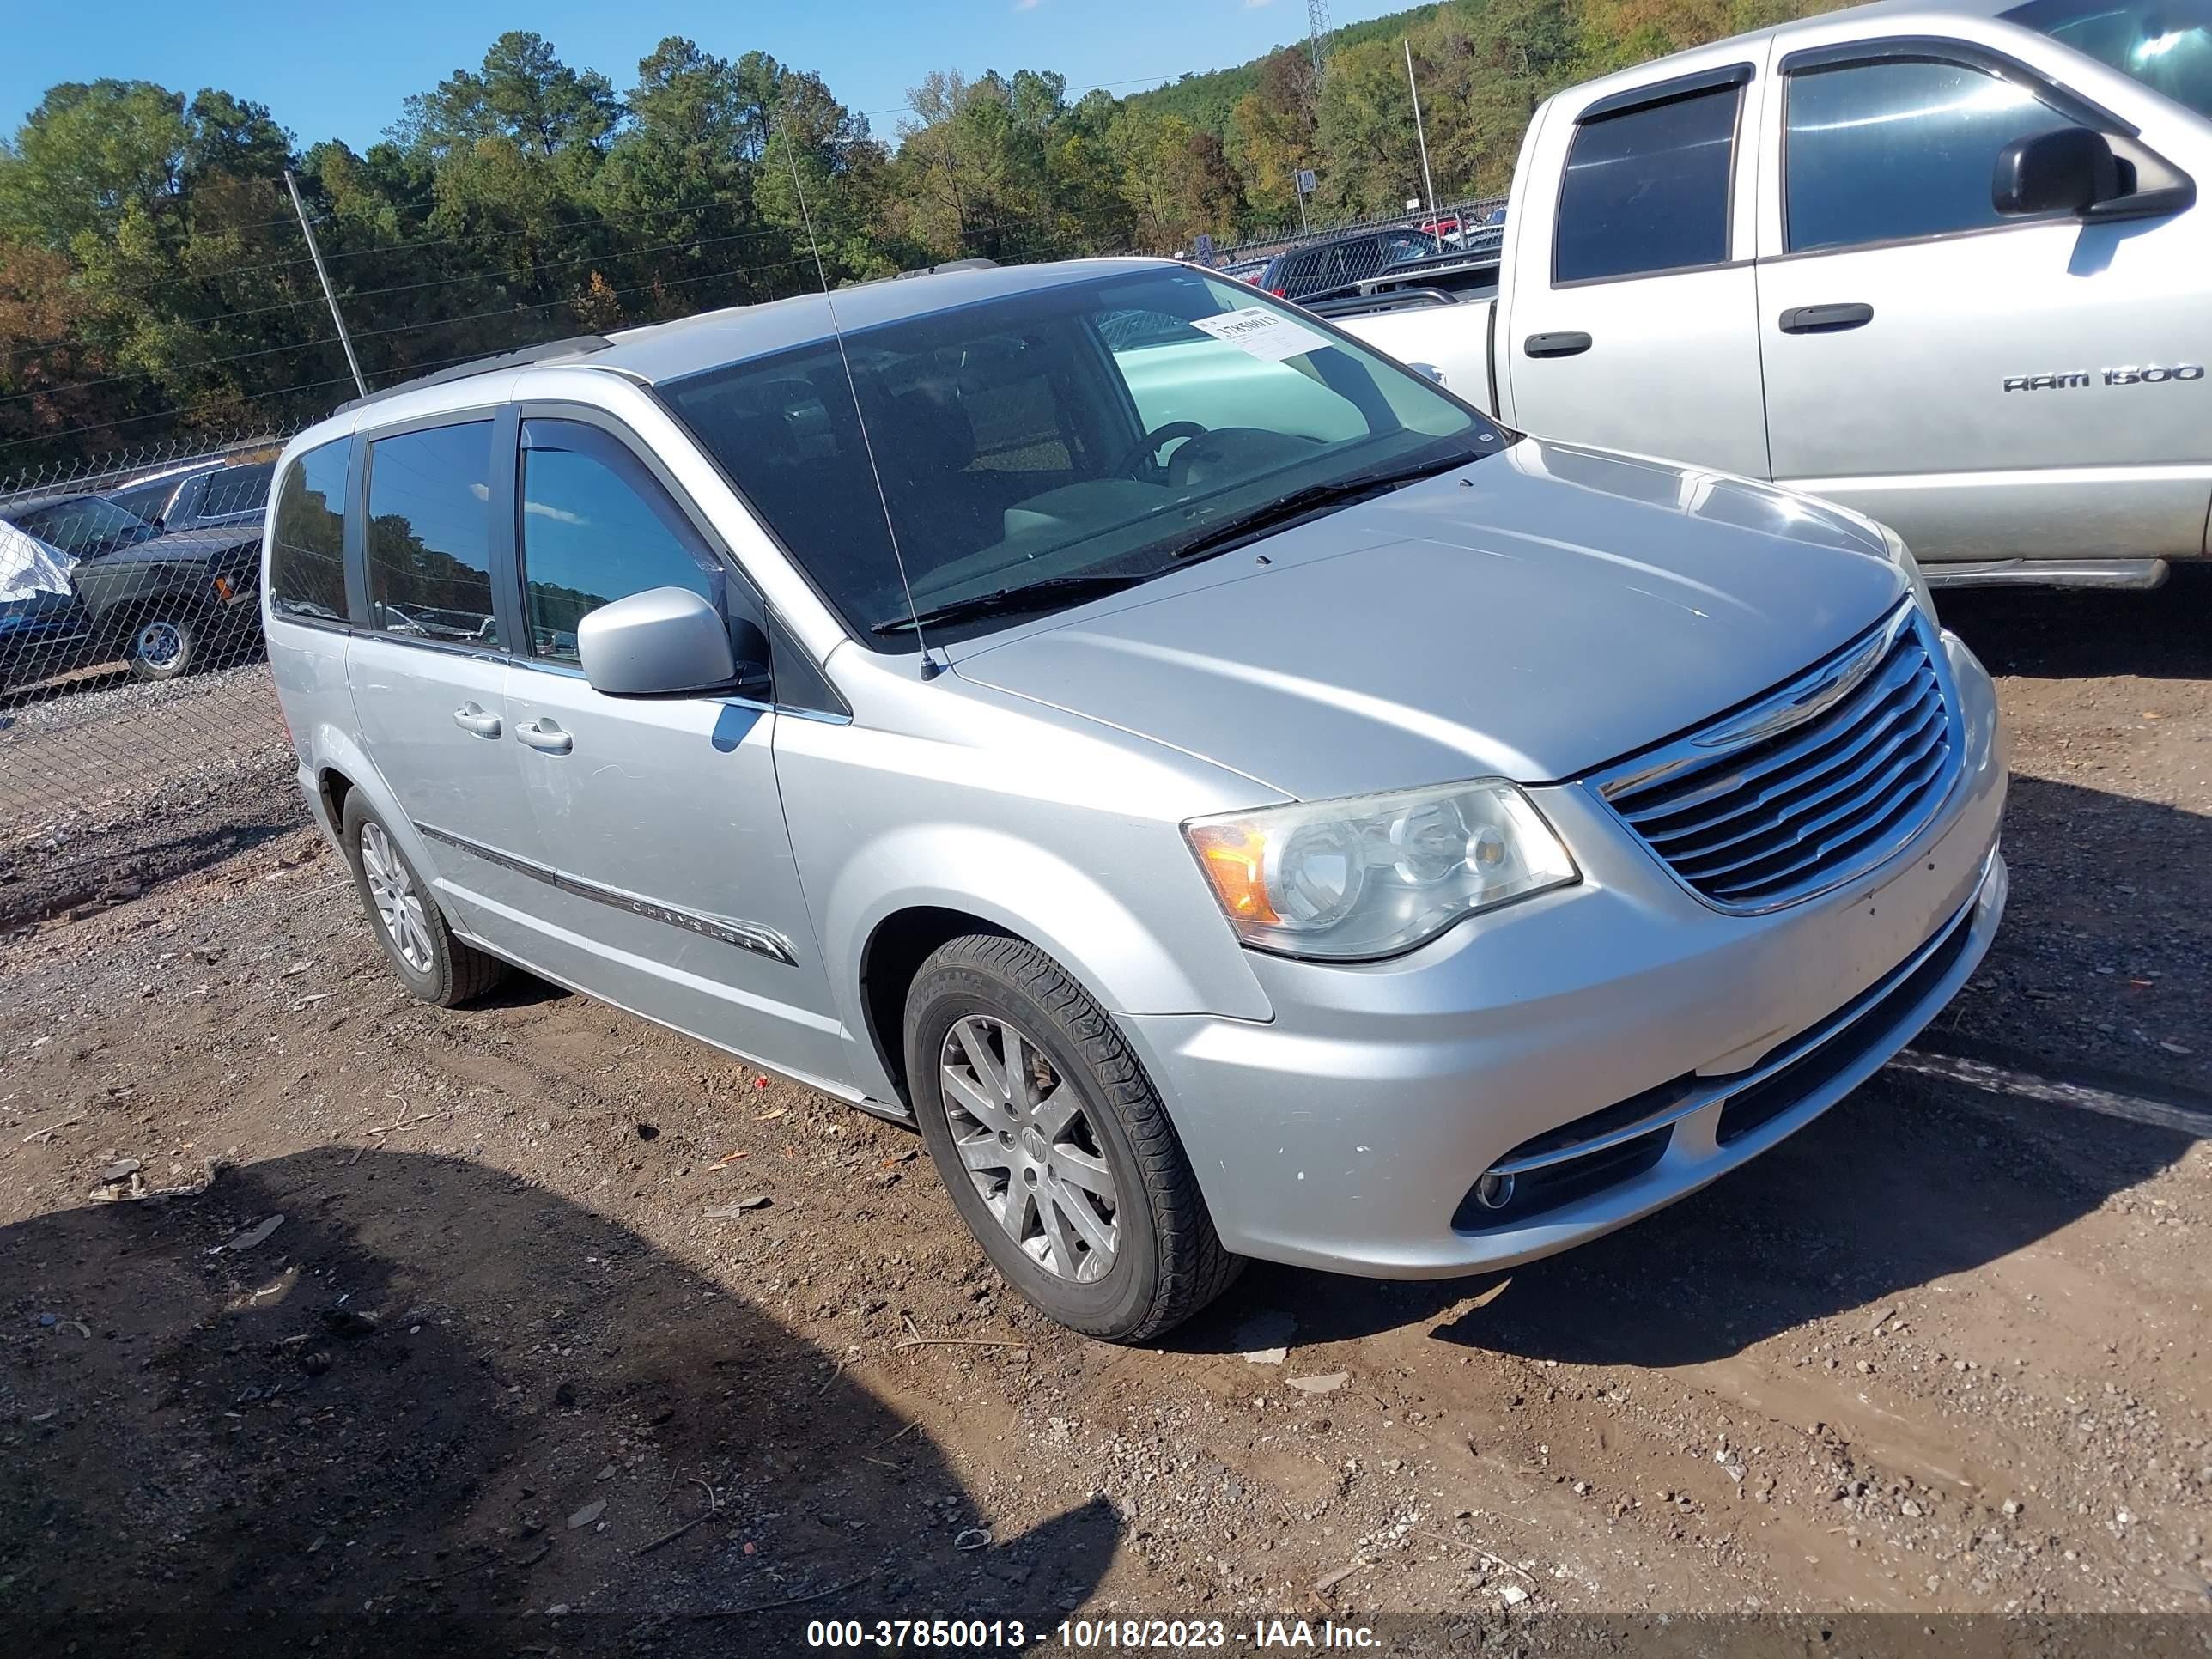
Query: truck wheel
[
  {"x": 1055, "y": 1145},
  {"x": 435, "y": 965},
  {"x": 164, "y": 646}
]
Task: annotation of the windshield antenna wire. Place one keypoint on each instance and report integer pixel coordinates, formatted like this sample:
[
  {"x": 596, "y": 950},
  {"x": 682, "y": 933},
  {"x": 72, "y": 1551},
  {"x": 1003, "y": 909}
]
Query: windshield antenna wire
[{"x": 930, "y": 667}]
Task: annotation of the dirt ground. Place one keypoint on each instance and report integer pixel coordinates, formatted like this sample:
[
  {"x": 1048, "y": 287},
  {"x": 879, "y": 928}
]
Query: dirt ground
[{"x": 453, "y": 1334}]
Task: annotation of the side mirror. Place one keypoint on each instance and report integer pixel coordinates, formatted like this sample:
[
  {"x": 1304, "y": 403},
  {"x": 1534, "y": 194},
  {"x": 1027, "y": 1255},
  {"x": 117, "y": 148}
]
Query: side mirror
[
  {"x": 1428, "y": 372},
  {"x": 2068, "y": 171},
  {"x": 662, "y": 642}
]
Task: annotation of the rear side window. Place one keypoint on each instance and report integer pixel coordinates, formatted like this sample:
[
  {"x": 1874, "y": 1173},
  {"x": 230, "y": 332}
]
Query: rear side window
[
  {"x": 597, "y": 527},
  {"x": 1899, "y": 148},
  {"x": 306, "y": 558},
  {"x": 234, "y": 490},
  {"x": 1647, "y": 190},
  {"x": 429, "y": 535}
]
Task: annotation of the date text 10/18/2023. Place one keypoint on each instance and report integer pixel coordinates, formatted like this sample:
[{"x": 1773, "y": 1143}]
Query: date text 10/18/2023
[{"x": 1090, "y": 1635}]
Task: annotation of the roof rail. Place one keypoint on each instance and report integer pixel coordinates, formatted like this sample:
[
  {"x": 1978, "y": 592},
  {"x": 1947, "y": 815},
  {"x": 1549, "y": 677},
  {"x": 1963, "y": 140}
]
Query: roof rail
[{"x": 580, "y": 346}]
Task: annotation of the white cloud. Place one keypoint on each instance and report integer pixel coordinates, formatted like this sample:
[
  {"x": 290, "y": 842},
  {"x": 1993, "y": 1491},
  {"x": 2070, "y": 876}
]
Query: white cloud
[
  {"x": 542, "y": 510},
  {"x": 1025, "y": 5}
]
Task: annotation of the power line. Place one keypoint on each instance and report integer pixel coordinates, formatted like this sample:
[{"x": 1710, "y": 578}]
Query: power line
[
  {"x": 488, "y": 273},
  {"x": 408, "y": 369},
  {"x": 433, "y": 241}
]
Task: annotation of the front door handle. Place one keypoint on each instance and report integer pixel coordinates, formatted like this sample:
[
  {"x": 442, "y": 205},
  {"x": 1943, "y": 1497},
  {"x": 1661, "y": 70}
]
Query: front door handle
[
  {"x": 471, "y": 718},
  {"x": 544, "y": 733},
  {"x": 1566, "y": 344},
  {"x": 1826, "y": 319}
]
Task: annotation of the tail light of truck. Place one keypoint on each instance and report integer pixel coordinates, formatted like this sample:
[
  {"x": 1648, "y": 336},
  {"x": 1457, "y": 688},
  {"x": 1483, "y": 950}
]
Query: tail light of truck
[{"x": 1279, "y": 293}]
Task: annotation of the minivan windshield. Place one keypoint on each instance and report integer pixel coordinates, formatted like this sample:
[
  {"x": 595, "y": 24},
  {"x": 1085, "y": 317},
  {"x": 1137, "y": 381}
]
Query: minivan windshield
[
  {"x": 2165, "y": 44},
  {"x": 1038, "y": 450}
]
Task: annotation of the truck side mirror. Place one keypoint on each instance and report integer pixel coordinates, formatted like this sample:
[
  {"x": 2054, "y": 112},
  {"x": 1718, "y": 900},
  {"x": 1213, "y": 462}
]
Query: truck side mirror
[{"x": 2069, "y": 170}]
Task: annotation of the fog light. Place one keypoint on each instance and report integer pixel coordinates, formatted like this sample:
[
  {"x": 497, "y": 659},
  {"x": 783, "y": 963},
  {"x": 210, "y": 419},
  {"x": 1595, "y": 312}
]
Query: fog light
[{"x": 1494, "y": 1192}]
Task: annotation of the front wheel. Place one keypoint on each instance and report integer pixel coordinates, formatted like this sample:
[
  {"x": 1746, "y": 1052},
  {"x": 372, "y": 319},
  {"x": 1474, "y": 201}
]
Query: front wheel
[
  {"x": 164, "y": 646},
  {"x": 1055, "y": 1148}
]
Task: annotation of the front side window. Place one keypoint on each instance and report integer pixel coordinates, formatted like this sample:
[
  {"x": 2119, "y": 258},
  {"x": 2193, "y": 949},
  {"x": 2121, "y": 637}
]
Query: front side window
[
  {"x": 2165, "y": 44},
  {"x": 596, "y": 527},
  {"x": 307, "y": 555},
  {"x": 1898, "y": 147},
  {"x": 429, "y": 535},
  {"x": 1647, "y": 190},
  {"x": 1087, "y": 430}
]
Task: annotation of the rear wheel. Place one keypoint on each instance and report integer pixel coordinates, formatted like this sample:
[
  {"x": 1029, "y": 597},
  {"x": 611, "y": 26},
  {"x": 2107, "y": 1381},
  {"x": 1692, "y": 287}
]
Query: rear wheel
[
  {"x": 1055, "y": 1145},
  {"x": 164, "y": 646},
  {"x": 437, "y": 966}
]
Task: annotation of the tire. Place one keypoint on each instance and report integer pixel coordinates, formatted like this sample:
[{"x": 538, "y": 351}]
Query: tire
[
  {"x": 434, "y": 964},
  {"x": 1088, "y": 1112},
  {"x": 164, "y": 646}
]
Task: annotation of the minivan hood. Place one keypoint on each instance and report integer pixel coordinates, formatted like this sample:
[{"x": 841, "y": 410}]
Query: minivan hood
[{"x": 1530, "y": 615}]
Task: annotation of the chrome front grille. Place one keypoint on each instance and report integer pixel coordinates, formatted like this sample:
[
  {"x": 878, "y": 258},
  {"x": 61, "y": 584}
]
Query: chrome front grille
[{"x": 1810, "y": 785}]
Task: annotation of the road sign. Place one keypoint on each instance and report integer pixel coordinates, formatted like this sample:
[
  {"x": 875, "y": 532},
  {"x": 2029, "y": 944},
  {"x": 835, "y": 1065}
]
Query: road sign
[{"x": 1305, "y": 181}]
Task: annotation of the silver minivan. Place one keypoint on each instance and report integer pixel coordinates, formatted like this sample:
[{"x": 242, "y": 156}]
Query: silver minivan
[{"x": 1233, "y": 797}]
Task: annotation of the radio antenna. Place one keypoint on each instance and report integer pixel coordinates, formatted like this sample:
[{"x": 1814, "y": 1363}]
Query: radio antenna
[{"x": 930, "y": 667}]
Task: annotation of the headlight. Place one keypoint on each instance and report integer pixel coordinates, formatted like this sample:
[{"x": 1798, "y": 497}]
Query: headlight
[
  {"x": 1373, "y": 875},
  {"x": 1903, "y": 556}
]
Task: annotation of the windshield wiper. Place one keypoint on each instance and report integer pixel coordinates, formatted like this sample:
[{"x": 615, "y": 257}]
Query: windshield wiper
[
  {"x": 1339, "y": 492},
  {"x": 1041, "y": 595}
]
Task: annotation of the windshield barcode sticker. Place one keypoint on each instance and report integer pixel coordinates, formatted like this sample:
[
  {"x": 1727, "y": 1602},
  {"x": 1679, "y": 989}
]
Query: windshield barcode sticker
[{"x": 1267, "y": 335}]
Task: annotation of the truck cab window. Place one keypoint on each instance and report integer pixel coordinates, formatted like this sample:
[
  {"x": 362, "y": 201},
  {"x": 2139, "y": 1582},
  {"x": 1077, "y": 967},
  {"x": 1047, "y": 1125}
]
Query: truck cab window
[
  {"x": 1647, "y": 190},
  {"x": 1898, "y": 147}
]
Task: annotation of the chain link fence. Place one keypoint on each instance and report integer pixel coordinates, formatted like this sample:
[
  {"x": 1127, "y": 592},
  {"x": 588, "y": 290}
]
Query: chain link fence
[{"x": 139, "y": 735}]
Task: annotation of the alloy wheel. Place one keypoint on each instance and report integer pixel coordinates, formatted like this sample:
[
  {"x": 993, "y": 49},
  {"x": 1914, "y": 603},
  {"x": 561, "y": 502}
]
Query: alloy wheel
[
  {"x": 1027, "y": 1140},
  {"x": 399, "y": 906}
]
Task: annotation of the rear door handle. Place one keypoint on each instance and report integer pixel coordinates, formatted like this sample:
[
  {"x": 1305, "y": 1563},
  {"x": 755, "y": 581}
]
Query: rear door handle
[
  {"x": 471, "y": 718},
  {"x": 543, "y": 733},
  {"x": 1826, "y": 319},
  {"x": 1567, "y": 344}
]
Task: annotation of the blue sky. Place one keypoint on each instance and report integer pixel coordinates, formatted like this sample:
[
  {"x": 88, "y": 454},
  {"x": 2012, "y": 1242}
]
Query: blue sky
[{"x": 341, "y": 71}]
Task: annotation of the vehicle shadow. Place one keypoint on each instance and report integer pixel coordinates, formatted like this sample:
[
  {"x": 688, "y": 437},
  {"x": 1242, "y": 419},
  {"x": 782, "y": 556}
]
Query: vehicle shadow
[
  {"x": 222, "y": 1458},
  {"x": 2165, "y": 634},
  {"x": 1910, "y": 1179}
]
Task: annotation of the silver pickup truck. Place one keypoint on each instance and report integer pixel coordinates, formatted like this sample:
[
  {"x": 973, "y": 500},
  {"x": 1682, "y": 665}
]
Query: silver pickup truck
[{"x": 1945, "y": 266}]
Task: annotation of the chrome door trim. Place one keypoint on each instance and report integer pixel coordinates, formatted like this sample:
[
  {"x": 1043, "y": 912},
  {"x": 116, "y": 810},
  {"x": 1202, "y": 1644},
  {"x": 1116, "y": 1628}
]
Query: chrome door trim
[{"x": 730, "y": 930}]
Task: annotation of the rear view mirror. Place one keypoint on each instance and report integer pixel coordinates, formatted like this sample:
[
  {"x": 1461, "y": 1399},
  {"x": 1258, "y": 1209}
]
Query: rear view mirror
[
  {"x": 2067, "y": 170},
  {"x": 662, "y": 642}
]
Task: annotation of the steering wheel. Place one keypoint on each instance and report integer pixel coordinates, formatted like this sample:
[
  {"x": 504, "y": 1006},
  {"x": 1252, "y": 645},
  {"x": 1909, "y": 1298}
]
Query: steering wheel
[{"x": 1149, "y": 445}]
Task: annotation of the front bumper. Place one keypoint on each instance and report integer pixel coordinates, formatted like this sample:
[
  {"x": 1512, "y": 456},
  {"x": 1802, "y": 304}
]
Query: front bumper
[{"x": 1662, "y": 1041}]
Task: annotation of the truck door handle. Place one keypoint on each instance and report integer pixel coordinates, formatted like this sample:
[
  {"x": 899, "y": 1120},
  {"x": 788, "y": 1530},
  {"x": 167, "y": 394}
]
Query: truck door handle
[
  {"x": 470, "y": 717},
  {"x": 543, "y": 733},
  {"x": 1566, "y": 344},
  {"x": 1826, "y": 319}
]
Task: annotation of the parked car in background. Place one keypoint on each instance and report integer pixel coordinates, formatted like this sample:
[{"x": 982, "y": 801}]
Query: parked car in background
[
  {"x": 1246, "y": 271},
  {"x": 1944, "y": 265},
  {"x": 1044, "y": 711},
  {"x": 1340, "y": 264},
  {"x": 114, "y": 586}
]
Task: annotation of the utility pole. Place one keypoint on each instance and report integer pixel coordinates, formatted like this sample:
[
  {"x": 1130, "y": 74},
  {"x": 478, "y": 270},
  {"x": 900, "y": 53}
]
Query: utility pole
[
  {"x": 338, "y": 316},
  {"x": 1428, "y": 185}
]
